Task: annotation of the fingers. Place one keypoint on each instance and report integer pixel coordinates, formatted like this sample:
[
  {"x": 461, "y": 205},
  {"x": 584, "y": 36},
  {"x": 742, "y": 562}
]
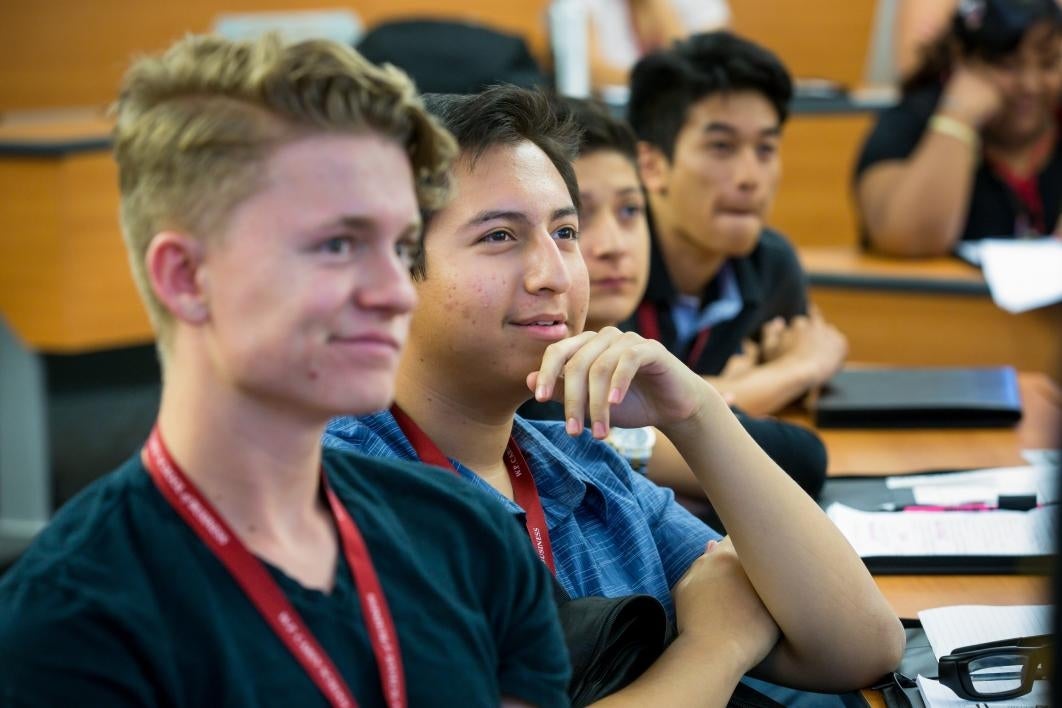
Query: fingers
[{"x": 553, "y": 361}]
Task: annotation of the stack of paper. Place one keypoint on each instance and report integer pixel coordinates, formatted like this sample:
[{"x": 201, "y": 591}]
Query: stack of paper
[
  {"x": 1023, "y": 274},
  {"x": 949, "y": 628},
  {"x": 946, "y": 533}
]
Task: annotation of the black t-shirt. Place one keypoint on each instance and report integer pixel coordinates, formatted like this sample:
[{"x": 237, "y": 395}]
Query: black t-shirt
[
  {"x": 771, "y": 283},
  {"x": 995, "y": 211},
  {"x": 119, "y": 603}
]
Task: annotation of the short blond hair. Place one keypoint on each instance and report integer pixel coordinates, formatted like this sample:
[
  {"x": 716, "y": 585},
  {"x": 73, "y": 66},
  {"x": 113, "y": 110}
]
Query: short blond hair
[{"x": 195, "y": 124}]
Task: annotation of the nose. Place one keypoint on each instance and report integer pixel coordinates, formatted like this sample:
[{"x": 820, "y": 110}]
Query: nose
[
  {"x": 748, "y": 172},
  {"x": 605, "y": 239},
  {"x": 544, "y": 265},
  {"x": 386, "y": 285}
]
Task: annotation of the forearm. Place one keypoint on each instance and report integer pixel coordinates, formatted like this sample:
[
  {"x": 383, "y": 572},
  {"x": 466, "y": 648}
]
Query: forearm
[
  {"x": 668, "y": 469},
  {"x": 924, "y": 207},
  {"x": 766, "y": 388},
  {"x": 837, "y": 630},
  {"x": 686, "y": 674}
]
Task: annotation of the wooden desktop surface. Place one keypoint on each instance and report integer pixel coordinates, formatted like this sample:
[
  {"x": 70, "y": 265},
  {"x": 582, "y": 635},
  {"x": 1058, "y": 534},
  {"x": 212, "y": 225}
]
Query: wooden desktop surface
[{"x": 935, "y": 312}]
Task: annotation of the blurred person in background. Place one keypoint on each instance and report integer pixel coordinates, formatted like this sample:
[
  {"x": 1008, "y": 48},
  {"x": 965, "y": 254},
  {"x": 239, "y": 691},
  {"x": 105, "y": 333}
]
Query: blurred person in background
[{"x": 972, "y": 149}]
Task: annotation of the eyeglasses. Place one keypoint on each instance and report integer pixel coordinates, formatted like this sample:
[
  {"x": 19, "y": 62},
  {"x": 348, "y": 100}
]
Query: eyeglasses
[{"x": 997, "y": 670}]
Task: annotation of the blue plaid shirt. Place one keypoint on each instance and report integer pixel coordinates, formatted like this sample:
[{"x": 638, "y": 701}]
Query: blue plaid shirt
[{"x": 613, "y": 532}]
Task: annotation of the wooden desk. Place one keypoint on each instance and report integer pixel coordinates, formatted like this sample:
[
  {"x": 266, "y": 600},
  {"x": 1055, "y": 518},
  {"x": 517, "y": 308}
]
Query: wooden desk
[
  {"x": 925, "y": 313},
  {"x": 65, "y": 285}
]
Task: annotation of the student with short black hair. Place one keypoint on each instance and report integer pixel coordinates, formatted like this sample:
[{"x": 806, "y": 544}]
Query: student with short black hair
[
  {"x": 726, "y": 294},
  {"x": 269, "y": 201},
  {"x": 614, "y": 242},
  {"x": 503, "y": 297}
]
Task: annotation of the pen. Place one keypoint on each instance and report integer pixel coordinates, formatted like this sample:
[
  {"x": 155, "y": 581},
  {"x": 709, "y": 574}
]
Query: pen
[{"x": 1016, "y": 502}]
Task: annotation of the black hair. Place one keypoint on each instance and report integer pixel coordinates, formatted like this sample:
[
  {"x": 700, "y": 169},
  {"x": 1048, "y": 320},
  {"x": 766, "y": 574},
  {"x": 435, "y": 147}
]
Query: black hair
[
  {"x": 986, "y": 29},
  {"x": 505, "y": 115},
  {"x": 601, "y": 130},
  {"x": 666, "y": 83}
]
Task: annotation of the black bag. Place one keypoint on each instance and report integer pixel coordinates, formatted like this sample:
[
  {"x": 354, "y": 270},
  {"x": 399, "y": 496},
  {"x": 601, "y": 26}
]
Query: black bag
[
  {"x": 452, "y": 57},
  {"x": 613, "y": 640}
]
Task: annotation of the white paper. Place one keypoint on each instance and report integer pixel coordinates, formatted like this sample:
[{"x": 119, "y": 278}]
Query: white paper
[
  {"x": 1023, "y": 274},
  {"x": 1030, "y": 479},
  {"x": 946, "y": 533},
  {"x": 1043, "y": 458},
  {"x": 949, "y": 628},
  {"x": 937, "y": 695}
]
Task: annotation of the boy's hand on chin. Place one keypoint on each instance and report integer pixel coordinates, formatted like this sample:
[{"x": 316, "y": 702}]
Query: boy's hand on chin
[{"x": 617, "y": 378}]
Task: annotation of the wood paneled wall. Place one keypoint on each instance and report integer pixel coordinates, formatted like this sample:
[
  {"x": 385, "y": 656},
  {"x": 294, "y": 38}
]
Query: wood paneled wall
[{"x": 73, "y": 52}]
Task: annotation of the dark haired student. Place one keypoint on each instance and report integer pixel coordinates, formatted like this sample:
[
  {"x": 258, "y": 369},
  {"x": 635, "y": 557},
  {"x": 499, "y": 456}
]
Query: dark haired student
[
  {"x": 972, "y": 150},
  {"x": 503, "y": 296},
  {"x": 726, "y": 294},
  {"x": 614, "y": 242}
]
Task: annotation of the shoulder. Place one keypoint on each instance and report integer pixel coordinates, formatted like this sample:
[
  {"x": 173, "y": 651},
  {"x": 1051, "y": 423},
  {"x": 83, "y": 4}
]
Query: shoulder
[
  {"x": 376, "y": 435},
  {"x": 899, "y": 128},
  {"x": 100, "y": 525},
  {"x": 409, "y": 494},
  {"x": 775, "y": 257},
  {"x": 82, "y": 580}
]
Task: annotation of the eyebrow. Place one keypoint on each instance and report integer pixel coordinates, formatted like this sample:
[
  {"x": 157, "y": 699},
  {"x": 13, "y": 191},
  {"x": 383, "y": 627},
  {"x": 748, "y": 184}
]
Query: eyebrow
[
  {"x": 720, "y": 127},
  {"x": 489, "y": 215},
  {"x": 366, "y": 223}
]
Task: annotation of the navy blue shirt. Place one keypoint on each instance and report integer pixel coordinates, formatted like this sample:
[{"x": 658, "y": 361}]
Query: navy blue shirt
[{"x": 119, "y": 603}]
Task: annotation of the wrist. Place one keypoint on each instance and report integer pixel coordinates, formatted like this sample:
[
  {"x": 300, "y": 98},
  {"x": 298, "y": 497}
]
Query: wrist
[
  {"x": 958, "y": 128},
  {"x": 693, "y": 426}
]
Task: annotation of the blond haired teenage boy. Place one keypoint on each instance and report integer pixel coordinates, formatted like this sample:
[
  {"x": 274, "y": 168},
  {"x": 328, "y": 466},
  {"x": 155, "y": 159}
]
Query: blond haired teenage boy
[{"x": 271, "y": 203}]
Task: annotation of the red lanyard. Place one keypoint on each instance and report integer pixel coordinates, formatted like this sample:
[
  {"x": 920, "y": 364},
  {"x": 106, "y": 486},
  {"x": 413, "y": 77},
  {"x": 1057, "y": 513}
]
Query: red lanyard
[
  {"x": 262, "y": 590},
  {"x": 524, "y": 488},
  {"x": 649, "y": 327}
]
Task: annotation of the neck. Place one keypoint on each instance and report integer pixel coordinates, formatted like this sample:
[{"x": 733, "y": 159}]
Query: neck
[
  {"x": 257, "y": 464},
  {"x": 463, "y": 430},
  {"x": 1027, "y": 156},
  {"x": 689, "y": 266}
]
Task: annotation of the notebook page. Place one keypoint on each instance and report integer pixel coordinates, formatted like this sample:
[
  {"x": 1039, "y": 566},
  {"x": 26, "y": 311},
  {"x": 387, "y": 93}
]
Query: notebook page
[
  {"x": 946, "y": 533},
  {"x": 1030, "y": 479},
  {"x": 937, "y": 695},
  {"x": 949, "y": 628}
]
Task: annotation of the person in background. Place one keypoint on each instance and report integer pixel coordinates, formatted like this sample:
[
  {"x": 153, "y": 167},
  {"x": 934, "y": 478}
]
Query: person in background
[
  {"x": 972, "y": 149},
  {"x": 918, "y": 24},
  {"x": 726, "y": 294},
  {"x": 503, "y": 297},
  {"x": 614, "y": 241},
  {"x": 622, "y": 31},
  {"x": 270, "y": 201}
]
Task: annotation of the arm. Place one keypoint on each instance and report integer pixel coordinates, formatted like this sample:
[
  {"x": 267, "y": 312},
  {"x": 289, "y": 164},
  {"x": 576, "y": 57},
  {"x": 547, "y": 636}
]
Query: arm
[
  {"x": 723, "y": 631},
  {"x": 808, "y": 352},
  {"x": 917, "y": 206},
  {"x": 838, "y": 632}
]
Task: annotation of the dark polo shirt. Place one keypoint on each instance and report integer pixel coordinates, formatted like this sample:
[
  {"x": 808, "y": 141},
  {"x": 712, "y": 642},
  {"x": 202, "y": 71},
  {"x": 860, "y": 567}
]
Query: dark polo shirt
[{"x": 770, "y": 281}]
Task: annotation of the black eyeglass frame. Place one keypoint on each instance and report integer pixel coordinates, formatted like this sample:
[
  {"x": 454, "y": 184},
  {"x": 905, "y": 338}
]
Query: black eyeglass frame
[{"x": 953, "y": 670}]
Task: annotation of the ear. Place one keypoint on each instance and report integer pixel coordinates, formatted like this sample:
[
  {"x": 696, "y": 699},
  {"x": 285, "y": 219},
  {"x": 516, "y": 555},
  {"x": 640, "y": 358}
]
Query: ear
[
  {"x": 653, "y": 168},
  {"x": 175, "y": 267}
]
